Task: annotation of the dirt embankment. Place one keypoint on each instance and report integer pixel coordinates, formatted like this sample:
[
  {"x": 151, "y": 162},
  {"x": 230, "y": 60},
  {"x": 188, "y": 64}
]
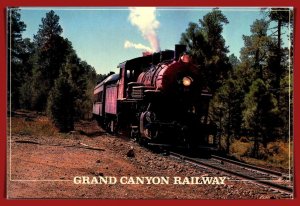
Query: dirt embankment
[{"x": 43, "y": 164}]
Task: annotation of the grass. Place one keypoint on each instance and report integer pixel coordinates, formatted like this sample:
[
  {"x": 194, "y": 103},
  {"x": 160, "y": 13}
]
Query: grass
[
  {"x": 240, "y": 148},
  {"x": 278, "y": 153},
  {"x": 275, "y": 154},
  {"x": 37, "y": 126}
]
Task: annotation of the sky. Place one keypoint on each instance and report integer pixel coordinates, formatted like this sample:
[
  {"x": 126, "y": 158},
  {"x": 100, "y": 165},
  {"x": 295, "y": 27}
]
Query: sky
[{"x": 105, "y": 37}]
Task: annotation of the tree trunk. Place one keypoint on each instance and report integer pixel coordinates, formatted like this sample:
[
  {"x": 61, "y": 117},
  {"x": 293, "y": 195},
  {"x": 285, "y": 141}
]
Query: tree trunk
[
  {"x": 278, "y": 61},
  {"x": 220, "y": 130},
  {"x": 228, "y": 130}
]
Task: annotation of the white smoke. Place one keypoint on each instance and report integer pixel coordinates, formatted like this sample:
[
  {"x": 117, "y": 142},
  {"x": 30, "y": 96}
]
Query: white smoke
[
  {"x": 145, "y": 19},
  {"x": 129, "y": 44}
]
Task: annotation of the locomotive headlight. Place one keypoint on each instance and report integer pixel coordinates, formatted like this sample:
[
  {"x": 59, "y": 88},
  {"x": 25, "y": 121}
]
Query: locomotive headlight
[{"x": 187, "y": 81}]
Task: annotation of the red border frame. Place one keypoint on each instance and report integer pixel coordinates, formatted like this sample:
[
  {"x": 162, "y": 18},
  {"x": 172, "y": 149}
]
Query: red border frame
[{"x": 208, "y": 3}]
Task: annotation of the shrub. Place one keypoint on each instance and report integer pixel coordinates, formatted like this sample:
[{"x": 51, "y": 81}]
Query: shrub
[{"x": 61, "y": 105}]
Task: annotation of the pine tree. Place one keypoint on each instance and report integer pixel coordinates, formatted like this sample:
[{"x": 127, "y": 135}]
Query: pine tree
[
  {"x": 256, "y": 49},
  {"x": 260, "y": 114},
  {"x": 15, "y": 51},
  {"x": 281, "y": 64},
  {"x": 226, "y": 110},
  {"x": 52, "y": 50},
  {"x": 28, "y": 63},
  {"x": 282, "y": 17}
]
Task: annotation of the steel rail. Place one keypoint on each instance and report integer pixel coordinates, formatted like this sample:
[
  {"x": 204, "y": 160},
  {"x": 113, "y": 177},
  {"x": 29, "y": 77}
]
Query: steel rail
[
  {"x": 261, "y": 169},
  {"x": 247, "y": 177}
]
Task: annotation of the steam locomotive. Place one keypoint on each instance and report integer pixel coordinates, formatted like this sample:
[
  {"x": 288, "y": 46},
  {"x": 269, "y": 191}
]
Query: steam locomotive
[{"x": 159, "y": 99}]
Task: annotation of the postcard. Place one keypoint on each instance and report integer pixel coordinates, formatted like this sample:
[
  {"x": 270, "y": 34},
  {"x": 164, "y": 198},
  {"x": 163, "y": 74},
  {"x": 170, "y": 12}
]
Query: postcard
[{"x": 188, "y": 103}]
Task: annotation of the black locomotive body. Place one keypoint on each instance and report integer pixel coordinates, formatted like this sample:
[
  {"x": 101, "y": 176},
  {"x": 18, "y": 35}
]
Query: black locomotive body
[{"x": 159, "y": 99}]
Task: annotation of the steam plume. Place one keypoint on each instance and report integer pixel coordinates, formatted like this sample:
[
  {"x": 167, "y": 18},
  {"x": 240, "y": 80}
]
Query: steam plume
[
  {"x": 129, "y": 44},
  {"x": 145, "y": 19}
]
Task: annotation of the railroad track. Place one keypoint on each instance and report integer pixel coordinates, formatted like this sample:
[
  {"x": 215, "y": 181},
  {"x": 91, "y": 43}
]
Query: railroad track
[{"x": 269, "y": 178}]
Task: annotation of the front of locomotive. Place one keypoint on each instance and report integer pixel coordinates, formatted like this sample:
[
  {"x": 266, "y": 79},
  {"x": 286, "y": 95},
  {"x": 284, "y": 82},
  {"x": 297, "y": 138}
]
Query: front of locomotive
[
  {"x": 182, "y": 107},
  {"x": 181, "y": 82}
]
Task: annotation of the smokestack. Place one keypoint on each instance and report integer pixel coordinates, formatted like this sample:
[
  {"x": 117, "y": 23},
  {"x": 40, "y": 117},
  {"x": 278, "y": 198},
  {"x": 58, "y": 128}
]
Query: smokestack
[{"x": 179, "y": 50}]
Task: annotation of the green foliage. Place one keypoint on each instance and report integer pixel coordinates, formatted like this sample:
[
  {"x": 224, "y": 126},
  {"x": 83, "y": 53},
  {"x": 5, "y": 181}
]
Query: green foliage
[
  {"x": 234, "y": 61},
  {"x": 26, "y": 94},
  {"x": 244, "y": 90},
  {"x": 61, "y": 104},
  {"x": 282, "y": 17},
  {"x": 15, "y": 54},
  {"x": 83, "y": 78},
  {"x": 15, "y": 29},
  {"x": 261, "y": 115},
  {"x": 285, "y": 106},
  {"x": 256, "y": 49},
  {"x": 280, "y": 14},
  {"x": 212, "y": 27},
  {"x": 48, "y": 75},
  {"x": 226, "y": 109},
  {"x": 51, "y": 51}
]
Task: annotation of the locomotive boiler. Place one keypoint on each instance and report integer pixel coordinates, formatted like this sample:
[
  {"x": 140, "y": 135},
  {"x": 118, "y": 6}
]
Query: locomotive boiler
[{"x": 159, "y": 98}]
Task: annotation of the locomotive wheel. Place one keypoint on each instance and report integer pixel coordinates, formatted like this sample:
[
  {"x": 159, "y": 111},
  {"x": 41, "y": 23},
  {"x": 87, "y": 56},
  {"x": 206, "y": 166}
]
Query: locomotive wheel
[
  {"x": 146, "y": 129},
  {"x": 150, "y": 133}
]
